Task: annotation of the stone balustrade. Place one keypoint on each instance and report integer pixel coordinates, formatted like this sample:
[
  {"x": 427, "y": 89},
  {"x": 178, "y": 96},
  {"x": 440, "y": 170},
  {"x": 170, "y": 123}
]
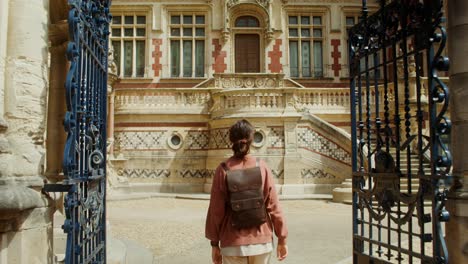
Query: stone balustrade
[
  {"x": 242, "y": 93},
  {"x": 333, "y": 100},
  {"x": 243, "y": 101},
  {"x": 162, "y": 101}
]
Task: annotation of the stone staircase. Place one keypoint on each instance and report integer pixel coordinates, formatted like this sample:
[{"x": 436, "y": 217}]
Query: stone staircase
[{"x": 343, "y": 194}]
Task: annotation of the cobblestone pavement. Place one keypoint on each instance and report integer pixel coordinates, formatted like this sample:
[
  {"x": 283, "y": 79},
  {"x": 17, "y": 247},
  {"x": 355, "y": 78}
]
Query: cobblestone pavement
[{"x": 173, "y": 229}]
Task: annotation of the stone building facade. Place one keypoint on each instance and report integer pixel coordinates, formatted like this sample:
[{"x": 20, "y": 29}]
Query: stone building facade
[{"x": 187, "y": 71}]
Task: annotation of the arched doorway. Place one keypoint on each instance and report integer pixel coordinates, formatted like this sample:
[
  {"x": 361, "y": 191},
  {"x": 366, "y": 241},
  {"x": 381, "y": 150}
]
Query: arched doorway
[
  {"x": 247, "y": 53},
  {"x": 247, "y": 46}
]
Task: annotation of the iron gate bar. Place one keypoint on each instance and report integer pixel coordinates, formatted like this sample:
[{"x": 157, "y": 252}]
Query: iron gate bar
[
  {"x": 406, "y": 30},
  {"x": 84, "y": 162}
]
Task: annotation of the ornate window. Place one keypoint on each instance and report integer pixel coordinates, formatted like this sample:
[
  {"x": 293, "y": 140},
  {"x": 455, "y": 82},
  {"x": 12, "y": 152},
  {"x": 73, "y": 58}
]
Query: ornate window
[
  {"x": 247, "y": 21},
  {"x": 128, "y": 38},
  {"x": 350, "y": 21},
  {"x": 306, "y": 45},
  {"x": 187, "y": 58}
]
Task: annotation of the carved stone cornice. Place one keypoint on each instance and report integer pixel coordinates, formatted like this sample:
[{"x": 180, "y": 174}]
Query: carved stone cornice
[{"x": 234, "y": 81}]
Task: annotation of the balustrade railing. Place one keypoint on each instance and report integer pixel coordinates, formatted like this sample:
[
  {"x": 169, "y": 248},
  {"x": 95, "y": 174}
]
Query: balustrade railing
[
  {"x": 311, "y": 100},
  {"x": 161, "y": 101},
  {"x": 331, "y": 100},
  {"x": 251, "y": 101}
]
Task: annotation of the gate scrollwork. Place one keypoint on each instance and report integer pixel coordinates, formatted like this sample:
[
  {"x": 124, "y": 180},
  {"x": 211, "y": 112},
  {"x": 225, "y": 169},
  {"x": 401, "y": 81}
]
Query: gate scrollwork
[
  {"x": 85, "y": 123},
  {"x": 401, "y": 160}
]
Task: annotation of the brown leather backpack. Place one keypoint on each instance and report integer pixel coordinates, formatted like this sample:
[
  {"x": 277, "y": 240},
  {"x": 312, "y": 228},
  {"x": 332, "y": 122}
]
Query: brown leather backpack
[{"x": 246, "y": 201}]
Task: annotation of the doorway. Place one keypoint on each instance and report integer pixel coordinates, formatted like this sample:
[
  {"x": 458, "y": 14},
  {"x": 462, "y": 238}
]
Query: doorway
[{"x": 247, "y": 53}]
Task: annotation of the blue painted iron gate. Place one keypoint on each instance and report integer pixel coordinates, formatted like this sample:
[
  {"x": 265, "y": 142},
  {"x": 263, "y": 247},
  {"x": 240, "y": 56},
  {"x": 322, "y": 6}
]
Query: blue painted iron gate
[
  {"x": 401, "y": 163},
  {"x": 84, "y": 161}
]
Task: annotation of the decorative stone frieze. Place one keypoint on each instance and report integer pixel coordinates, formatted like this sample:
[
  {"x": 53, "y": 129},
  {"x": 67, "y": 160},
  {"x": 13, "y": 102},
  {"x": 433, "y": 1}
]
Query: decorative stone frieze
[
  {"x": 219, "y": 139},
  {"x": 140, "y": 140},
  {"x": 315, "y": 173},
  {"x": 234, "y": 81},
  {"x": 144, "y": 173},
  {"x": 210, "y": 173},
  {"x": 197, "y": 140},
  {"x": 276, "y": 137},
  {"x": 193, "y": 173},
  {"x": 277, "y": 174},
  {"x": 311, "y": 140}
]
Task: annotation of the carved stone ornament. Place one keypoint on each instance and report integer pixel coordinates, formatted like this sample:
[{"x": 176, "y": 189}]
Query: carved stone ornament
[{"x": 230, "y": 3}]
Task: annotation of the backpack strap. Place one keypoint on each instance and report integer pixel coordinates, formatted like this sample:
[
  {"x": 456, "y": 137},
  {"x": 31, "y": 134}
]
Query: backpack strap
[{"x": 224, "y": 166}]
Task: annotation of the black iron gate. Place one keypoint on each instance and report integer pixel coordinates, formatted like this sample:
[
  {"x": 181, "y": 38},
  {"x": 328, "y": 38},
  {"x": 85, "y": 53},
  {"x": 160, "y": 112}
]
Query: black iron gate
[
  {"x": 401, "y": 163},
  {"x": 84, "y": 162}
]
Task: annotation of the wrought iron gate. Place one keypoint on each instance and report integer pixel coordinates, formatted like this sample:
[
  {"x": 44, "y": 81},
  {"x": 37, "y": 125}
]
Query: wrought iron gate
[
  {"x": 401, "y": 163},
  {"x": 84, "y": 161}
]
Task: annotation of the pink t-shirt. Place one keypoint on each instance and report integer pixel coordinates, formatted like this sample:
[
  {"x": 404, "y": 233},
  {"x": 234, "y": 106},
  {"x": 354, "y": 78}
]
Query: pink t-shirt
[{"x": 218, "y": 221}]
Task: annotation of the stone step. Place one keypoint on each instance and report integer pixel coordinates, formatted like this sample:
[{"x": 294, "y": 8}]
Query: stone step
[{"x": 341, "y": 194}]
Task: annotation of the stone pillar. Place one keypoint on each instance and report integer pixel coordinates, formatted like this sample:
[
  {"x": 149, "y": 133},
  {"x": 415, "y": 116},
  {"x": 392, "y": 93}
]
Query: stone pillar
[
  {"x": 457, "y": 227},
  {"x": 3, "y": 46},
  {"x": 56, "y": 105},
  {"x": 110, "y": 122},
  {"x": 25, "y": 213},
  {"x": 292, "y": 183}
]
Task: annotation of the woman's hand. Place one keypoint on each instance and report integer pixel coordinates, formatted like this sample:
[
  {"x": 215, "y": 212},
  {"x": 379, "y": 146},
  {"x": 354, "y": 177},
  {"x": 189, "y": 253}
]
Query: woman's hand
[
  {"x": 216, "y": 255},
  {"x": 281, "y": 251}
]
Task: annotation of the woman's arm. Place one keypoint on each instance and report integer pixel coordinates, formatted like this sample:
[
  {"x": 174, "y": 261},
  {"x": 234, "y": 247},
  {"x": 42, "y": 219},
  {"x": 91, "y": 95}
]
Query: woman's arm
[{"x": 216, "y": 209}]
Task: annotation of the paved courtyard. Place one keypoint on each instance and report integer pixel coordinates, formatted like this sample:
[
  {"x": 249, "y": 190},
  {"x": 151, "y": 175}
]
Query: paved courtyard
[{"x": 173, "y": 229}]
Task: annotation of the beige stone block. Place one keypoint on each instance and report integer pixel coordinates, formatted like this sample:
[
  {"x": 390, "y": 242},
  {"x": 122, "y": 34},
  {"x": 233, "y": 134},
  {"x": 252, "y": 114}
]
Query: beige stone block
[
  {"x": 457, "y": 13},
  {"x": 37, "y": 218},
  {"x": 30, "y": 246},
  {"x": 456, "y": 231},
  {"x": 458, "y": 49},
  {"x": 459, "y": 148},
  {"x": 459, "y": 96}
]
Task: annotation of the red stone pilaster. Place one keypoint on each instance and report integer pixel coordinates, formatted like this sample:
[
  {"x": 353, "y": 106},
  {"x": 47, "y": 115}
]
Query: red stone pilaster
[
  {"x": 336, "y": 55},
  {"x": 219, "y": 66},
  {"x": 157, "y": 66},
  {"x": 275, "y": 55}
]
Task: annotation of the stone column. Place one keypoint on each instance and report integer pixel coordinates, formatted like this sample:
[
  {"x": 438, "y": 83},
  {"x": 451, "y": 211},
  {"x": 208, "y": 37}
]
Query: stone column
[
  {"x": 457, "y": 227},
  {"x": 292, "y": 170},
  {"x": 110, "y": 122},
  {"x": 112, "y": 77},
  {"x": 56, "y": 106},
  {"x": 25, "y": 213},
  {"x": 3, "y": 46}
]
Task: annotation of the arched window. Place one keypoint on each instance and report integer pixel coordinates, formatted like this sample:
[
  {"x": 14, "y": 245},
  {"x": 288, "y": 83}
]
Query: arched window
[{"x": 247, "y": 21}]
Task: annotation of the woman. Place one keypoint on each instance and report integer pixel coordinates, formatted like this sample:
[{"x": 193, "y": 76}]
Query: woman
[{"x": 245, "y": 245}]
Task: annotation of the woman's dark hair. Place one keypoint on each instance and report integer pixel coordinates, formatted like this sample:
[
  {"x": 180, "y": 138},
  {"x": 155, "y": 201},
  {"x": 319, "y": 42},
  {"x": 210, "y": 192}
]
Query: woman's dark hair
[{"x": 241, "y": 136}]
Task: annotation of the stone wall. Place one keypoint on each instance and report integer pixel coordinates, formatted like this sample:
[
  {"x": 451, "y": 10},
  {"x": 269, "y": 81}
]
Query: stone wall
[{"x": 25, "y": 212}]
